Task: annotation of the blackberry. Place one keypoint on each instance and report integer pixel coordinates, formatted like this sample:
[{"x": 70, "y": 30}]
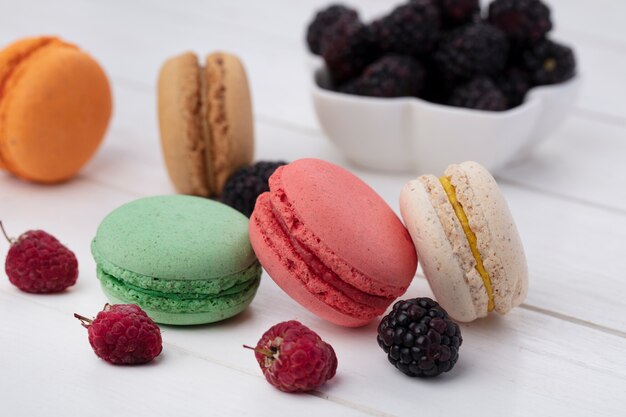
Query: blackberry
[
  {"x": 347, "y": 48},
  {"x": 390, "y": 76},
  {"x": 549, "y": 63},
  {"x": 410, "y": 29},
  {"x": 523, "y": 21},
  {"x": 480, "y": 94},
  {"x": 458, "y": 12},
  {"x": 514, "y": 84},
  {"x": 419, "y": 338},
  {"x": 471, "y": 51},
  {"x": 436, "y": 88},
  {"x": 246, "y": 184},
  {"x": 515, "y": 55},
  {"x": 322, "y": 21}
]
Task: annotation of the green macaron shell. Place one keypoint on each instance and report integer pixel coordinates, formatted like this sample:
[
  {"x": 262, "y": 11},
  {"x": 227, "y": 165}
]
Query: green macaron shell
[
  {"x": 180, "y": 309},
  {"x": 176, "y": 237},
  {"x": 183, "y": 259},
  {"x": 190, "y": 287}
]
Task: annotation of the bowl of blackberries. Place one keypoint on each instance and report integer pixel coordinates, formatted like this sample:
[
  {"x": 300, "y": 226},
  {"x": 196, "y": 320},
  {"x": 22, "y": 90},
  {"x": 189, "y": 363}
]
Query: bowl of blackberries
[{"x": 440, "y": 81}]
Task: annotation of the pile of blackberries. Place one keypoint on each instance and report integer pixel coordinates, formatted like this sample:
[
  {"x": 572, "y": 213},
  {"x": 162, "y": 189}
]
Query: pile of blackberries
[{"x": 443, "y": 51}]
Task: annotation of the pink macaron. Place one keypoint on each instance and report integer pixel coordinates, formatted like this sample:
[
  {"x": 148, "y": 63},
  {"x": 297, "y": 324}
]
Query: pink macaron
[{"x": 333, "y": 244}]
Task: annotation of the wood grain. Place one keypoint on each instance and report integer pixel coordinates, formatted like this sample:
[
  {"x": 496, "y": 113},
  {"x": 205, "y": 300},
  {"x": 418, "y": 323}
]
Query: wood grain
[{"x": 562, "y": 352}]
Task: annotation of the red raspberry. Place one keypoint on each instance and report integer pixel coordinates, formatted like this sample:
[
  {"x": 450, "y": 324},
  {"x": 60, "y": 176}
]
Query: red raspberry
[
  {"x": 38, "y": 263},
  {"x": 123, "y": 334},
  {"x": 294, "y": 358}
]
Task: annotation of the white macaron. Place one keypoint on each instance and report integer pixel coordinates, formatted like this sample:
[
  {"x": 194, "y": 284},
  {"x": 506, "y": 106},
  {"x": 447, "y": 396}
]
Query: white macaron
[{"x": 466, "y": 240}]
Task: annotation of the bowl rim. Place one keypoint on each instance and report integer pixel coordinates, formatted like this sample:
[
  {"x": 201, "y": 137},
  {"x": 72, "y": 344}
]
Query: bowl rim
[{"x": 532, "y": 96}]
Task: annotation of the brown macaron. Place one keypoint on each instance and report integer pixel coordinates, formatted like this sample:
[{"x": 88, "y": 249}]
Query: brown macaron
[{"x": 205, "y": 118}]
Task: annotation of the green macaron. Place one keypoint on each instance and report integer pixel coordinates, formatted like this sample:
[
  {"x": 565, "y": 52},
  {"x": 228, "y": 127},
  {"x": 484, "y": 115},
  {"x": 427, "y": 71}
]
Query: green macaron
[{"x": 183, "y": 259}]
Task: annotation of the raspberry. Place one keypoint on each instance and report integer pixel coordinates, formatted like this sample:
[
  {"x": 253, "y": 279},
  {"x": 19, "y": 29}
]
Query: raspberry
[
  {"x": 410, "y": 29},
  {"x": 549, "y": 63},
  {"x": 390, "y": 76},
  {"x": 457, "y": 12},
  {"x": 123, "y": 334},
  {"x": 523, "y": 21},
  {"x": 348, "y": 47},
  {"x": 294, "y": 358},
  {"x": 472, "y": 51},
  {"x": 322, "y": 21},
  {"x": 419, "y": 338},
  {"x": 514, "y": 84},
  {"x": 480, "y": 94},
  {"x": 38, "y": 263},
  {"x": 246, "y": 184}
]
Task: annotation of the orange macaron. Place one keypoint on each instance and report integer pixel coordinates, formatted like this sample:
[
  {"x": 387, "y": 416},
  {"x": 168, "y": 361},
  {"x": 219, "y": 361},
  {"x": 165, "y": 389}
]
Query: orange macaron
[{"x": 55, "y": 105}]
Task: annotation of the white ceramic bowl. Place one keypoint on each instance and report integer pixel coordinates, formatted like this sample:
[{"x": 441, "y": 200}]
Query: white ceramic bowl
[{"x": 411, "y": 134}]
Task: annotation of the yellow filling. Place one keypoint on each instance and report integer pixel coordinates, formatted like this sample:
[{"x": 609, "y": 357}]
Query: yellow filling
[{"x": 471, "y": 237}]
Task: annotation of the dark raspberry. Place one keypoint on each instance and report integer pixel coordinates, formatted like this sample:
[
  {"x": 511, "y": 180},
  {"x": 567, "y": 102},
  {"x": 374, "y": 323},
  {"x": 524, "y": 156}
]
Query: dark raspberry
[
  {"x": 347, "y": 48},
  {"x": 390, "y": 76},
  {"x": 123, "y": 334},
  {"x": 549, "y": 63},
  {"x": 472, "y": 51},
  {"x": 322, "y": 21},
  {"x": 410, "y": 29},
  {"x": 246, "y": 184},
  {"x": 480, "y": 94},
  {"x": 458, "y": 12},
  {"x": 514, "y": 84},
  {"x": 294, "y": 358},
  {"x": 419, "y": 338},
  {"x": 38, "y": 263},
  {"x": 523, "y": 21}
]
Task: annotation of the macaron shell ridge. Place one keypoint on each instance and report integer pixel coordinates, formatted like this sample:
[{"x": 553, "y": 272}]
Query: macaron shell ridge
[
  {"x": 292, "y": 274},
  {"x": 498, "y": 240},
  {"x": 55, "y": 105},
  {"x": 166, "y": 310},
  {"x": 180, "y": 124},
  {"x": 185, "y": 297},
  {"x": 229, "y": 113},
  {"x": 357, "y": 225},
  {"x": 200, "y": 287},
  {"x": 439, "y": 258},
  {"x": 306, "y": 238}
]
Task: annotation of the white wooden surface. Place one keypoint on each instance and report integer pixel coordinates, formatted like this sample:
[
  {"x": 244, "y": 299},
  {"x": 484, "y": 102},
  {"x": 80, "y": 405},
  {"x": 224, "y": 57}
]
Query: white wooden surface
[{"x": 562, "y": 353}]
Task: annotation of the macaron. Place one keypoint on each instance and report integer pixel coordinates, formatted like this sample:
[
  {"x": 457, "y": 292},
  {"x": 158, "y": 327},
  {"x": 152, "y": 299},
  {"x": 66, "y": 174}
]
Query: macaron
[
  {"x": 331, "y": 243},
  {"x": 205, "y": 119},
  {"x": 468, "y": 245},
  {"x": 55, "y": 105},
  {"x": 183, "y": 259}
]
